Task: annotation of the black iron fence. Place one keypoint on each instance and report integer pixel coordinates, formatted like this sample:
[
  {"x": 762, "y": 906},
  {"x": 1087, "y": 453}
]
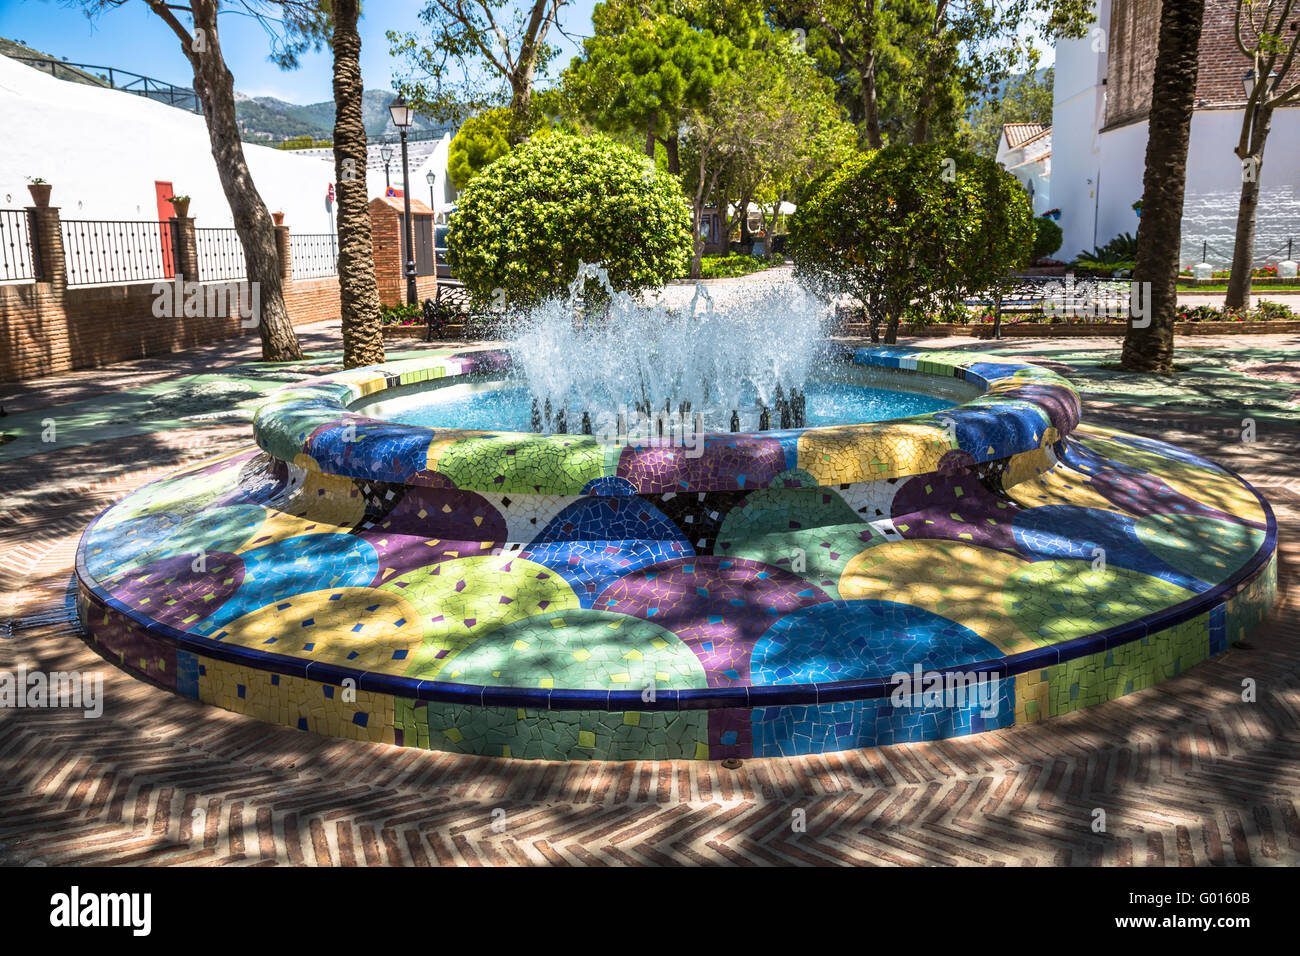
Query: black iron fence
[
  {"x": 100, "y": 251},
  {"x": 314, "y": 255},
  {"x": 18, "y": 256},
  {"x": 117, "y": 79},
  {"x": 221, "y": 255}
]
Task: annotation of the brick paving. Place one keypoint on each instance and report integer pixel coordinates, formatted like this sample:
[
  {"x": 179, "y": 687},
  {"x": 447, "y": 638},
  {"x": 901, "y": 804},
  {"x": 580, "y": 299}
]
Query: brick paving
[{"x": 1186, "y": 772}]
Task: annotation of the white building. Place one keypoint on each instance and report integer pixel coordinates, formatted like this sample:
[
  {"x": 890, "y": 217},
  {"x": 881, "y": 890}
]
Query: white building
[
  {"x": 1099, "y": 125},
  {"x": 1025, "y": 150},
  {"x": 112, "y": 155},
  {"x": 423, "y": 155}
]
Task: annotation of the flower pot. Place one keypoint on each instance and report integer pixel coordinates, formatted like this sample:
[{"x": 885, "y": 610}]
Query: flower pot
[
  {"x": 40, "y": 193},
  {"x": 181, "y": 207},
  {"x": 278, "y": 217}
]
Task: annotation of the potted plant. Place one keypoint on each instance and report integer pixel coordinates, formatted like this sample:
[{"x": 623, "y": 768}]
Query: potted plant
[
  {"x": 181, "y": 204},
  {"x": 40, "y": 190},
  {"x": 278, "y": 217},
  {"x": 1137, "y": 208}
]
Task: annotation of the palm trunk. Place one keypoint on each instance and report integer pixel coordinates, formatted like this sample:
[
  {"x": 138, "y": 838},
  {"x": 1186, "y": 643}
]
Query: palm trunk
[
  {"x": 1151, "y": 349},
  {"x": 216, "y": 90},
  {"x": 1243, "y": 248},
  {"x": 363, "y": 336}
]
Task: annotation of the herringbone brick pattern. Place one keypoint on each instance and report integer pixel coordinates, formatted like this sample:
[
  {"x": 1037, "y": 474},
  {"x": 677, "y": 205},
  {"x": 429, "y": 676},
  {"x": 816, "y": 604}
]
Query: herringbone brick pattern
[{"x": 1186, "y": 772}]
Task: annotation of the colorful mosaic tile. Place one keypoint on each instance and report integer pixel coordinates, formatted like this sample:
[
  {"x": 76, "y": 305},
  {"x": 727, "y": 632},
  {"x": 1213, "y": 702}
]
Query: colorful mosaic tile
[{"x": 789, "y": 592}]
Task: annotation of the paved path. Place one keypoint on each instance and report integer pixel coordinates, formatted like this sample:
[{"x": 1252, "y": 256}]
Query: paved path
[{"x": 1186, "y": 772}]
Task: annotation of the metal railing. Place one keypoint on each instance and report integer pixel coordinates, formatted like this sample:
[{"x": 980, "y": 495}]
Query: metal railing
[
  {"x": 159, "y": 90},
  {"x": 1286, "y": 249},
  {"x": 18, "y": 256},
  {"x": 98, "y": 252},
  {"x": 221, "y": 255},
  {"x": 314, "y": 255}
]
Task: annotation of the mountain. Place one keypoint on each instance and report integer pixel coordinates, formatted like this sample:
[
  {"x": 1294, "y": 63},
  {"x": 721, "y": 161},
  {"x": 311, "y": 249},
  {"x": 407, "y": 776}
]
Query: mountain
[
  {"x": 262, "y": 119},
  {"x": 267, "y": 119}
]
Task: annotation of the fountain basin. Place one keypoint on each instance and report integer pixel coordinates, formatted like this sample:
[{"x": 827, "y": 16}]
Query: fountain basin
[{"x": 568, "y": 597}]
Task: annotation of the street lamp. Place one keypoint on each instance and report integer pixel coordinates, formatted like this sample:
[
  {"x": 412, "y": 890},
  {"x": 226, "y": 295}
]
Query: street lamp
[
  {"x": 402, "y": 117},
  {"x": 430, "y": 178},
  {"x": 386, "y": 154}
]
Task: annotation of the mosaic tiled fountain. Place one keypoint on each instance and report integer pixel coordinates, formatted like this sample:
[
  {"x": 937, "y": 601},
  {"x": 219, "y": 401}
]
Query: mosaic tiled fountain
[{"x": 666, "y": 586}]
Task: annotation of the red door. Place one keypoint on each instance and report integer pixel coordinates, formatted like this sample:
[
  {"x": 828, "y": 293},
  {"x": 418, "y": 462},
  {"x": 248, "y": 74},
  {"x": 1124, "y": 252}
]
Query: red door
[{"x": 163, "y": 193}]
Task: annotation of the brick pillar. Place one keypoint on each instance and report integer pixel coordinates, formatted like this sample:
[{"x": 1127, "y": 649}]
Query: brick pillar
[
  {"x": 186, "y": 246},
  {"x": 282, "y": 247},
  {"x": 47, "y": 237}
]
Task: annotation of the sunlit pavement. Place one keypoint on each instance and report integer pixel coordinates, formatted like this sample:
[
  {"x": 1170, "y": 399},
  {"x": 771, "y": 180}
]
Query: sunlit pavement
[{"x": 1186, "y": 772}]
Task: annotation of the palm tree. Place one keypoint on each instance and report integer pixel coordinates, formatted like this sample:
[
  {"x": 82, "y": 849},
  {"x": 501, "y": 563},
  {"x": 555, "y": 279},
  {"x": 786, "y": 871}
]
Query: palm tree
[
  {"x": 363, "y": 338},
  {"x": 1173, "y": 94}
]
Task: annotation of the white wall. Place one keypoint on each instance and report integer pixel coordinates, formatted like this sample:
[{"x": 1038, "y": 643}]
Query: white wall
[
  {"x": 103, "y": 149},
  {"x": 1213, "y": 186},
  {"x": 1097, "y": 176},
  {"x": 1078, "y": 106}
]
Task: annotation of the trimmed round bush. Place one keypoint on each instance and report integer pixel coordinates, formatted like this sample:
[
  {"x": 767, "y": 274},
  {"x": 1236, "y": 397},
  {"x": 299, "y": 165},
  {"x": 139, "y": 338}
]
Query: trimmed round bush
[
  {"x": 911, "y": 229},
  {"x": 525, "y": 222},
  {"x": 1047, "y": 238}
]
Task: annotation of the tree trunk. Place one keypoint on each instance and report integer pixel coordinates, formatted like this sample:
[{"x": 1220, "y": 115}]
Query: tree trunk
[
  {"x": 216, "y": 89},
  {"x": 870, "y": 108},
  {"x": 924, "y": 103},
  {"x": 1243, "y": 247},
  {"x": 702, "y": 193},
  {"x": 674, "y": 162},
  {"x": 363, "y": 336},
  {"x": 533, "y": 40},
  {"x": 1151, "y": 349}
]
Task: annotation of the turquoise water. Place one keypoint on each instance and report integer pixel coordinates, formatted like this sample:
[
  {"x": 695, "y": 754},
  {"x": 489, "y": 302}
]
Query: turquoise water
[{"x": 510, "y": 408}]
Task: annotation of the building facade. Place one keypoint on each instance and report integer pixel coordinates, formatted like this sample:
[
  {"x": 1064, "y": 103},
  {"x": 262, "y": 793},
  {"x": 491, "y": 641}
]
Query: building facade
[
  {"x": 1099, "y": 124},
  {"x": 1025, "y": 150}
]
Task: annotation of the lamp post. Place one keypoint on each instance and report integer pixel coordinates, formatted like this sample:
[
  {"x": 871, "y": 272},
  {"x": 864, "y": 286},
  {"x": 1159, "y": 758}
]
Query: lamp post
[
  {"x": 430, "y": 178},
  {"x": 402, "y": 117},
  {"x": 386, "y": 154}
]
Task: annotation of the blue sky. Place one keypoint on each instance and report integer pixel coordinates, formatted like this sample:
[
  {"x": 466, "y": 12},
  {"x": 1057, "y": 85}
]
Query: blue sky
[{"x": 134, "y": 39}]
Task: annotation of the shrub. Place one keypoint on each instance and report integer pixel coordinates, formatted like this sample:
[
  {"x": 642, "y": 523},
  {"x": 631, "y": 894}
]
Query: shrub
[
  {"x": 726, "y": 267},
  {"x": 401, "y": 315},
  {"x": 480, "y": 140},
  {"x": 525, "y": 222},
  {"x": 1262, "y": 312},
  {"x": 1272, "y": 312},
  {"x": 895, "y": 230},
  {"x": 1120, "y": 250},
  {"x": 1048, "y": 237}
]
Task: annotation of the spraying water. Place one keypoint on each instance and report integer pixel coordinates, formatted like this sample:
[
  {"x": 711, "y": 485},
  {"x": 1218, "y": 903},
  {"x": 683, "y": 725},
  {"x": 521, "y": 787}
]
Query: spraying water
[{"x": 724, "y": 365}]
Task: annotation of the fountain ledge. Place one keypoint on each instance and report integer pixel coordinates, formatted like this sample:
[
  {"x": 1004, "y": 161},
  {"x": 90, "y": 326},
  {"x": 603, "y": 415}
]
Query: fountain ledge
[{"x": 1022, "y": 408}]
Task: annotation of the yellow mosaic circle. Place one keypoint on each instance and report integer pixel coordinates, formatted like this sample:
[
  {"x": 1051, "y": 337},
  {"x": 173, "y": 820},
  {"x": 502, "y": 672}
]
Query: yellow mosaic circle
[
  {"x": 361, "y": 628},
  {"x": 962, "y": 582}
]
